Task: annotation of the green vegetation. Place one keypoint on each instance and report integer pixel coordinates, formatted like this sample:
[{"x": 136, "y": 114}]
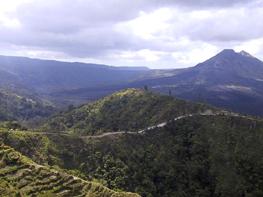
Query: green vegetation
[
  {"x": 81, "y": 152},
  {"x": 216, "y": 155},
  {"x": 19, "y": 176},
  {"x": 198, "y": 156},
  {"x": 127, "y": 110},
  {"x": 17, "y": 107},
  {"x": 12, "y": 125}
]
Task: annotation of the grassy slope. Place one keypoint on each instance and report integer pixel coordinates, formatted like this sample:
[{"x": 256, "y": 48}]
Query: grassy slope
[
  {"x": 198, "y": 156},
  {"x": 127, "y": 110},
  {"x": 19, "y": 176}
]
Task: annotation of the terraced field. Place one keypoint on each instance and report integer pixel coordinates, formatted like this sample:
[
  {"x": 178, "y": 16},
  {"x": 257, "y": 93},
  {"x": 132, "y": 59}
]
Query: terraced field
[{"x": 19, "y": 176}]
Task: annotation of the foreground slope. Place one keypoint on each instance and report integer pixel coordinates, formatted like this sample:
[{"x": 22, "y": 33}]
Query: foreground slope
[
  {"x": 127, "y": 110},
  {"x": 19, "y": 176},
  {"x": 212, "y": 155}
]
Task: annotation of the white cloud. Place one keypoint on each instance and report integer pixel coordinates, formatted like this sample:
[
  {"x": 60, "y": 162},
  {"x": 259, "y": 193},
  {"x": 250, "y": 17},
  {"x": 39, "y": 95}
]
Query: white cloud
[
  {"x": 144, "y": 54},
  {"x": 7, "y": 7},
  {"x": 197, "y": 54},
  {"x": 147, "y": 25},
  {"x": 169, "y": 33},
  {"x": 254, "y": 47}
]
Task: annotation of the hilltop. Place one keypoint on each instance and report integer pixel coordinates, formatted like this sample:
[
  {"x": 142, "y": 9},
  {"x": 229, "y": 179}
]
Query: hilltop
[{"x": 126, "y": 110}]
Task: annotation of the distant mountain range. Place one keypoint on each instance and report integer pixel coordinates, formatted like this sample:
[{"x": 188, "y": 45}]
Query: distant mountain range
[
  {"x": 230, "y": 80},
  {"x": 45, "y": 77}
]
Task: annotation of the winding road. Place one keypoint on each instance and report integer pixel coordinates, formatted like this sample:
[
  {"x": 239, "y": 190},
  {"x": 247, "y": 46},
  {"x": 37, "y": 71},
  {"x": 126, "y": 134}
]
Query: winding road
[
  {"x": 143, "y": 131},
  {"x": 163, "y": 124}
]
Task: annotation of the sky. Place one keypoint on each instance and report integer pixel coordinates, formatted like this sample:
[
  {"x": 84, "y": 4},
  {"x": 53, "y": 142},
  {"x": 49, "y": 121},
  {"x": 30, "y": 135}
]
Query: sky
[{"x": 152, "y": 33}]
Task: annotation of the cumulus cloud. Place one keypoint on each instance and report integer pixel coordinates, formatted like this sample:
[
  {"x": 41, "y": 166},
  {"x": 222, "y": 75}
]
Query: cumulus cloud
[{"x": 167, "y": 33}]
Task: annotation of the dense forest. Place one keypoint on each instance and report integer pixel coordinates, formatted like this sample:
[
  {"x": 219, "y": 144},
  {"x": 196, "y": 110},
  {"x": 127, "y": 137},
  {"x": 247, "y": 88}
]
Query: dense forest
[
  {"x": 21, "y": 107},
  {"x": 196, "y": 156},
  {"x": 21, "y": 177}
]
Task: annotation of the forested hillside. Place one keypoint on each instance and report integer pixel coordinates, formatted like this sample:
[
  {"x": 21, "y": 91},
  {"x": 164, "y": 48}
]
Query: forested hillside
[
  {"x": 197, "y": 156},
  {"x": 131, "y": 98},
  {"x": 14, "y": 106},
  {"x": 127, "y": 110},
  {"x": 19, "y": 176}
]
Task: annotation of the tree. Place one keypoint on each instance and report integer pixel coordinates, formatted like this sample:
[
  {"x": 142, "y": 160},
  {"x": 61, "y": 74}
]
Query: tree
[
  {"x": 146, "y": 88},
  {"x": 170, "y": 92}
]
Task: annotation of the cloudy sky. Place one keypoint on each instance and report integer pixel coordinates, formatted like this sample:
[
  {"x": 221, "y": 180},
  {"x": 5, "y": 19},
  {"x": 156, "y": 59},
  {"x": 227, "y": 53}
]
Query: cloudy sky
[{"x": 153, "y": 33}]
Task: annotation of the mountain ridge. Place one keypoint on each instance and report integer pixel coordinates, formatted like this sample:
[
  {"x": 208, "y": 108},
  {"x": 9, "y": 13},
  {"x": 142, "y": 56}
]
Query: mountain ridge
[
  {"x": 229, "y": 80},
  {"x": 123, "y": 111},
  {"x": 48, "y": 76}
]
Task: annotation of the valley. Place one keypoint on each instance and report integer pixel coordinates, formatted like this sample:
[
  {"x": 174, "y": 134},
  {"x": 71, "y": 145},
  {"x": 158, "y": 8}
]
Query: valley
[
  {"x": 137, "y": 135},
  {"x": 119, "y": 98},
  {"x": 230, "y": 80},
  {"x": 188, "y": 154}
]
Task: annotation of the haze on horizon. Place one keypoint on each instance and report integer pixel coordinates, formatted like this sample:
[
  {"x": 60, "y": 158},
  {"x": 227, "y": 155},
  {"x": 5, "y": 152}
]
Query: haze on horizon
[{"x": 156, "y": 34}]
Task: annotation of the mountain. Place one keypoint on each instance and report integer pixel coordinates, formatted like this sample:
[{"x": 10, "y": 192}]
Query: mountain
[
  {"x": 46, "y": 76},
  {"x": 137, "y": 68},
  {"x": 230, "y": 80},
  {"x": 126, "y": 110},
  {"x": 20, "y": 176},
  {"x": 82, "y": 95},
  {"x": 134, "y": 140}
]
